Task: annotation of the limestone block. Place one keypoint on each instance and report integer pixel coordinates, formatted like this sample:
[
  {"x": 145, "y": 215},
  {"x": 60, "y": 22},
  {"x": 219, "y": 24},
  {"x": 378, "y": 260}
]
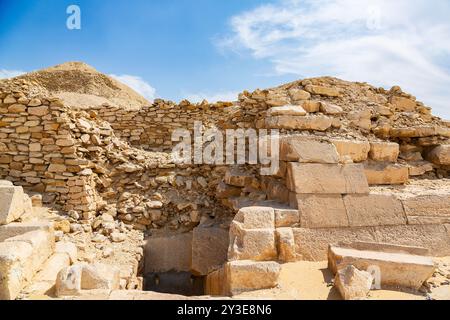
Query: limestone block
[
  {"x": 323, "y": 91},
  {"x": 251, "y": 244},
  {"x": 256, "y": 217},
  {"x": 386, "y": 173},
  {"x": 276, "y": 190},
  {"x": 440, "y": 155},
  {"x": 285, "y": 244},
  {"x": 288, "y": 110},
  {"x": 209, "y": 249},
  {"x": 12, "y": 204},
  {"x": 68, "y": 248},
  {"x": 314, "y": 122},
  {"x": 433, "y": 208},
  {"x": 331, "y": 109},
  {"x": 299, "y": 94},
  {"x": 374, "y": 210},
  {"x": 225, "y": 191},
  {"x": 216, "y": 283},
  {"x": 16, "y": 228},
  {"x": 357, "y": 150},
  {"x": 236, "y": 177},
  {"x": 326, "y": 178},
  {"x": 52, "y": 267},
  {"x": 396, "y": 269},
  {"x": 68, "y": 281},
  {"x": 173, "y": 253},
  {"x": 100, "y": 276},
  {"x": 243, "y": 276},
  {"x": 14, "y": 257},
  {"x": 322, "y": 211},
  {"x": 307, "y": 150},
  {"x": 403, "y": 104},
  {"x": 384, "y": 151},
  {"x": 311, "y": 106},
  {"x": 286, "y": 217},
  {"x": 352, "y": 283},
  {"x": 312, "y": 244}
]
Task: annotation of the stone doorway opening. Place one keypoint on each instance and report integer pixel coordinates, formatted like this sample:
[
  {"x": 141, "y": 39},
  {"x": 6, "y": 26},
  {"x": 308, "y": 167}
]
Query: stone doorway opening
[{"x": 180, "y": 263}]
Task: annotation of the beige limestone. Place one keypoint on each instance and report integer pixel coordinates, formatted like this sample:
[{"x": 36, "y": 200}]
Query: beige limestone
[
  {"x": 440, "y": 155},
  {"x": 310, "y": 122},
  {"x": 100, "y": 276},
  {"x": 357, "y": 150},
  {"x": 12, "y": 204},
  {"x": 386, "y": 173},
  {"x": 323, "y": 91},
  {"x": 384, "y": 151},
  {"x": 288, "y": 110},
  {"x": 285, "y": 244},
  {"x": 307, "y": 150},
  {"x": 353, "y": 284},
  {"x": 256, "y": 217}
]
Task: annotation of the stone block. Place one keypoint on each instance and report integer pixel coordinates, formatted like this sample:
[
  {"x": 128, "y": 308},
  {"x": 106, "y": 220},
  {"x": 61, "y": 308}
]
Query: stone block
[
  {"x": 386, "y": 173},
  {"x": 323, "y": 91},
  {"x": 357, "y": 151},
  {"x": 326, "y": 178},
  {"x": 353, "y": 284},
  {"x": 312, "y": 122},
  {"x": 288, "y": 110},
  {"x": 68, "y": 281},
  {"x": 209, "y": 249},
  {"x": 286, "y": 217},
  {"x": 384, "y": 151},
  {"x": 440, "y": 155},
  {"x": 100, "y": 276},
  {"x": 256, "y": 217},
  {"x": 244, "y": 276},
  {"x": 285, "y": 244},
  {"x": 12, "y": 204},
  {"x": 432, "y": 208},
  {"x": 307, "y": 150},
  {"x": 374, "y": 210}
]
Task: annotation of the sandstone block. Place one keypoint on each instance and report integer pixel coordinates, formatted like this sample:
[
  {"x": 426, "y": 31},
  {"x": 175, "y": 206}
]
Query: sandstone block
[
  {"x": 326, "y": 178},
  {"x": 352, "y": 283},
  {"x": 288, "y": 110},
  {"x": 374, "y": 210},
  {"x": 396, "y": 269},
  {"x": 246, "y": 276},
  {"x": 307, "y": 150},
  {"x": 251, "y": 244},
  {"x": 386, "y": 173},
  {"x": 209, "y": 249},
  {"x": 357, "y": 150},
  {"x": 384, "y": 151}
]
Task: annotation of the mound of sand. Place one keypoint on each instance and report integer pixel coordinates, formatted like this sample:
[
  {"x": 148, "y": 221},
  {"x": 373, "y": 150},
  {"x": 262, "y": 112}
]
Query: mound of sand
[{"x": 80, "y": 85}]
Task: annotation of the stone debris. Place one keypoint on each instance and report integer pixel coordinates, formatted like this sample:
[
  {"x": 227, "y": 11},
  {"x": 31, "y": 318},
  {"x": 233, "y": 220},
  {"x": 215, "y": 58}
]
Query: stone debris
[{"x": 352, "y": 283}]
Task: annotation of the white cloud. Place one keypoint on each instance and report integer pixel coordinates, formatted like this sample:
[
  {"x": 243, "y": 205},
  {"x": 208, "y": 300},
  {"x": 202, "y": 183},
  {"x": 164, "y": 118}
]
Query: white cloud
[
  {"x": 212, "y": 97},
  {"x": 4, "y": 74},
  {"x": 137, "y": 84},
  {"x": 383, "y": 42}
]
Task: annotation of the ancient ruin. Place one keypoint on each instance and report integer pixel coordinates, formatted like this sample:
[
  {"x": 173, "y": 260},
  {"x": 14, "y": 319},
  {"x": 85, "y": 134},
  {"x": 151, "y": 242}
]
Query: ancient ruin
[{"x": 93, "y": 205}]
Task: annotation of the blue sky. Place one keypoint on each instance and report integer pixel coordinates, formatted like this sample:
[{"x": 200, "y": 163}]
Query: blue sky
[{"x": 216, "y": 48}]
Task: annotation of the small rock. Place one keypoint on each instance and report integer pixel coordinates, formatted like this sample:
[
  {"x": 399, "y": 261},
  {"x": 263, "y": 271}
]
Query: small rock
[
  {"x": 352, "y": 283},
  {"x": 118, "y": 237}
]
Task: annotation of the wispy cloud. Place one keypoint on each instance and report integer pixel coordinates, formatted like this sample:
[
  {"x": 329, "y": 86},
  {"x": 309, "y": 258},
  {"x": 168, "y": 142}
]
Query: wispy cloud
[
  {"x": 10, "y": 73},
  {"x": 137, "y": 84},
  {"x": 382, "y": 42},
  {"x": 212, "y": 97}
]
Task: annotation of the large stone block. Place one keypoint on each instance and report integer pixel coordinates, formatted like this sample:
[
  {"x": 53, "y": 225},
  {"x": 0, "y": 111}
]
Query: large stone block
[
  {"x": 14, "y": 264},
  {"x": 374, "y": 210},
  {"x": 251, "y": 244},
  {"x": 209, "y": 249},
  {"x": 18, "y": 228},
  {"x": 256, "y": 217},
  {"x": 288, "y": 110},
  {"x": 395, "y": 269},
  {"x": 307, "y": 150},
  {"x": 440, "y": 155},
  {"x": 285, "y": 244},
  {"x": 286, "y": 217},
  {"x": 12, "y": 204},
  {"x": 326, "y": 178},
  {"x": 172, "y": 253},
  {"x": 322, "y": 210},
  {"x": 357, "y": 151},
  {"x": 432, "y": 208},
  {"x": 384, "y": 151},
  {"x": 323, "y": 91},
  {"x": 316, "y": 122},
  {"x": 100, "y": 276},
  {"x": 386, "y": 173},
  {"x": 243, "y": 276},
  {"x": 312, "y": 244}
]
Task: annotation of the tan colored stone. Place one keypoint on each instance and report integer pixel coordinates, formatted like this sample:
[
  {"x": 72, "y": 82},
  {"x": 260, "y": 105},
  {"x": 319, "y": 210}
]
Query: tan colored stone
[
  {"x": 299, "y": 94},
  {"x": 288, "y": 110},
  {"x": 307, "y": 150},
  {"x": 315, "y": 122},
  {"x": 427, "y": 209},
  {"x": 68, "y": 248},
  {"x": 403, "y": 104},
  {"x": 238, "y": 178},
  {"x": 326, "y": 178},
  {"x": 251, "y": 244},
  {"x": 311, "y": 106},
  {"x": 68, "y": 281},
  {"x": 396, "y": 269},
  {"x": 386, "y": 173},
  {"x": 209, "y": 249},
  {"x": 384, "y": 151},
  {"x": 246, "y": 276},
  {"x": 54, "y": 167},
  {"x": 357, "y": 150},
  {"x": 34, "y": 102},
  {"x": 100, "y": 276},
  {"x": 17, "y": 108},
  {"x": 352, "y": 283},
  {"x": 12, "y": 204},
  {"x": 286, "y": 217},
  {"x": 374, "y": 210},
  {"x": 256, "y": 217},
  {"x": 38, "y": 111},
  {"x": 285, "y": 244},
  {"x": 323, "y": 91},
  {"x": 440, "y": 155},
  {"x": 331, "y": 109}
]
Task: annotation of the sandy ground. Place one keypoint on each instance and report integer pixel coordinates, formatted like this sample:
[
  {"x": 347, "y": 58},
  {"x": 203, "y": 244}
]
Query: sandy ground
[{"x": 312, "y": 281}]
